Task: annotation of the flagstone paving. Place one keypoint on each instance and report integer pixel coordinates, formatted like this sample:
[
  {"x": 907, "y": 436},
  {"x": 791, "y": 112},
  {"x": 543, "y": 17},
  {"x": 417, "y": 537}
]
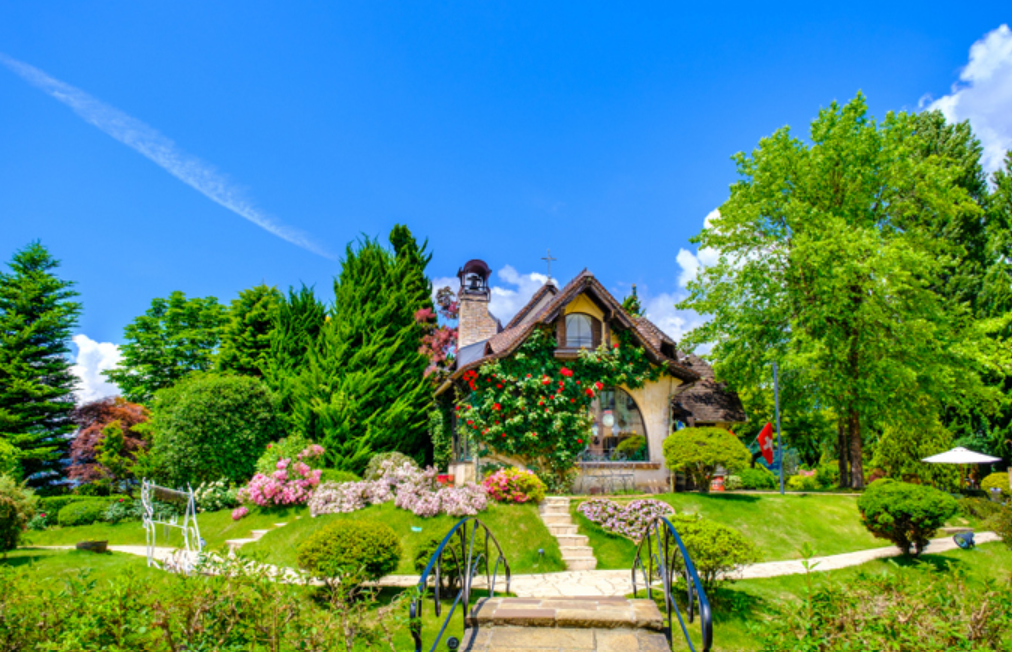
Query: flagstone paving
[{"x": 543, "y": 639}]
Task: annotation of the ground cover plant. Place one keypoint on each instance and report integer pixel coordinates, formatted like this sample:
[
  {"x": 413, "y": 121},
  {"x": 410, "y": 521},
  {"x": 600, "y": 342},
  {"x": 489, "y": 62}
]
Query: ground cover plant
[{"x": 629, "y": 520}]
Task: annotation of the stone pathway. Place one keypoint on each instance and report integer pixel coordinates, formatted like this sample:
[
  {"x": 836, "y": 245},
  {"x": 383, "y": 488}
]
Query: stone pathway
[
  {"x": 542, "y": 639},
  {"x": 235, "y": 544},
  {"x": 575, "y": 548},
  {"x": 619, "y": 582}
]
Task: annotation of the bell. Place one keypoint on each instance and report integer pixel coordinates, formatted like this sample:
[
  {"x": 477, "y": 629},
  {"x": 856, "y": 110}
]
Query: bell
[{"x": 474, "y": 282}]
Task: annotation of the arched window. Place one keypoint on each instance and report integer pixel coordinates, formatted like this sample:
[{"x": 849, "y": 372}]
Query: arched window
[
  {"x": 618, "y": 419},
  {"x": 579, "y": 331}
]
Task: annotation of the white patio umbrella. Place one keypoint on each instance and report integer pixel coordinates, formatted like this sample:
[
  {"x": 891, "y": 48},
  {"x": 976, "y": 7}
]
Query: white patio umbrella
[{"x": 961, "y": 456}]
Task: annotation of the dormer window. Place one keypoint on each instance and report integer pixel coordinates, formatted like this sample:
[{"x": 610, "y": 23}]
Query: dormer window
[{"x": 579, "y": 331}]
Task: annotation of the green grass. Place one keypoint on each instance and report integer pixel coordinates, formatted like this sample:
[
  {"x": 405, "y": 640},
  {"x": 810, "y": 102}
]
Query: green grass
[
  {"x": 744, "y": 604},
  {"x": 518, "y": 529},
  {"x": 778, "y": 525}
]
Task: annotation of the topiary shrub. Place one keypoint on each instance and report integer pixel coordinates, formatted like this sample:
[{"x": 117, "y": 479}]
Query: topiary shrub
[
  {"x": 364, "y": 549},
  {"x": 82, "y": 512},
  {"x": 717, "y": 551},
  {"x": 630, "y": 446},
  {"x": 803, "y": 483},
  {"x": 997, "y": 481},
  {"x": 337, "y": 476},
  {"x": 906, "y": 514},
  {"x": 515, "y": 485},
  {"x": 758, "y": 478},
  {"x": 699, "y": 451},
  {"x": 374, "y": 470},
  {"x": 209, "y": 427}
]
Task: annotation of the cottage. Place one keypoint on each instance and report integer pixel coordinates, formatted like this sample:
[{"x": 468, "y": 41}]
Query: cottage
[{"x": 583, "y": 314}]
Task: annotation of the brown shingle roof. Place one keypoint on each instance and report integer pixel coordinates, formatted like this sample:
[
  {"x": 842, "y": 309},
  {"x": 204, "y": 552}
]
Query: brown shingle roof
[
  {"x": 505, "y": 342},
  {"x": 706, "y": 400}
]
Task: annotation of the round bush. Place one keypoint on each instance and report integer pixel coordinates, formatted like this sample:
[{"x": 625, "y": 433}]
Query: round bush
[
  {"x": 83, "y": 512},
  {"x": 997, "y": 481},
  {"x": 337, "y": 476},
  {"x": 803, "y": 483},
  {"x": 374, "y": 470},
  {"x": 906, "y": 514},
  {"x": 209, "y": 427},
  {"x": 699, "y": 451},
  {"x": 515, "y": 485},
  {"x": 758, "y": 478},
  {"x": 717, "y": 551},
  {"x": 350, "y": 548}
]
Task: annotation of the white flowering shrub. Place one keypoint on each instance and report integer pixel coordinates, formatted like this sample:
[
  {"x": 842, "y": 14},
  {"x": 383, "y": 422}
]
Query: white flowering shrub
[{"x": 215, "y": 496}]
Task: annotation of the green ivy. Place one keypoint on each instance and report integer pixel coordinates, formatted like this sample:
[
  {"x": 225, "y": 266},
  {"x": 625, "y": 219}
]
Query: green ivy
[{"x": 536, "y": 407}]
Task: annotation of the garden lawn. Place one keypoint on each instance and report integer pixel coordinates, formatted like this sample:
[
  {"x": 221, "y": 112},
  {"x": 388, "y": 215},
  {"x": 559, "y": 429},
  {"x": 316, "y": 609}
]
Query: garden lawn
[
  {"x": 743, "y": 605},
  {"x": 518, "y": 528},
  {"x": 778, "y": 525},
  {"x": 215, "y": 528}
]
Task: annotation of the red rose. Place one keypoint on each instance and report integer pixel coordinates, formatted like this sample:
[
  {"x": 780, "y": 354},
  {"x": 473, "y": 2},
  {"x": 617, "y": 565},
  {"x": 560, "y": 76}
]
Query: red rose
[
  {"x": 528, "y": 375},
  {"x": 615, "y": 345},
  {"x": 577, "y": 382},
  {"x": 590, "y": 392},
  {"x": 498, "y": 385},
  {"x": 572, "y": 400},
  {"x": 546, "y": 380},
  {"x": 579, "y": 441},
  {"x": 470, "y": 423},
  {"x": 599, "y": 385},
  {"x": 496, "y": 406},
  {"x": 566, "y": 372}
]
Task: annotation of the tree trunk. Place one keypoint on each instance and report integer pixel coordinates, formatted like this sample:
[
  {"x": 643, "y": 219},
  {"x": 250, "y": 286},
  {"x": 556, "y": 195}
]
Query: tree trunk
[
  {"x": 843, "y": 450},
  {"x": 856, "y": 467}
]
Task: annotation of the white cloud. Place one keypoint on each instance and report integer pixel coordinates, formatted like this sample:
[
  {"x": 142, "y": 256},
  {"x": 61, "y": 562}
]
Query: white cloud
[
  {"x": 507, "y": 301},
  {"x": 690, "y": 262},
  {"x": 147, "y": 141},
  {"x": 660, "y": 309},
  {"x": 985, "y": 95},
  {"x": 92, "y": 359}
]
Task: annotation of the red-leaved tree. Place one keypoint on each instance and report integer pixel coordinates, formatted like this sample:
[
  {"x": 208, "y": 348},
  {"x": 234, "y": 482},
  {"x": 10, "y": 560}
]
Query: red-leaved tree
[{"x": 91, "y": 419}]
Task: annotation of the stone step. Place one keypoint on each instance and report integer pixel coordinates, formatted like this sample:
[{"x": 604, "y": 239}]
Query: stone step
[
  {"x": 256, "y": 534},
  {"x": 572, "y": 539},
  {"x": 576, "y": 552},
  {"x": 545, "y": 510},
  {"x": 581, "y": 564},
  {"x": 577, "y": 613},
  {"x": 280, "y": 524},
  {"x": 562, "y": 530},
  {"x": 543, "y": 639},
  {"x": 556, "y": 500},
  {"x": 557, "y": 519}
]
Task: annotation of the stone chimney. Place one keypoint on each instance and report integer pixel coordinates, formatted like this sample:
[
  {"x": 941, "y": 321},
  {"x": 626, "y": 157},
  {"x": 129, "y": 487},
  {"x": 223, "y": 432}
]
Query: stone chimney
[{"x": 475, "y": 323}]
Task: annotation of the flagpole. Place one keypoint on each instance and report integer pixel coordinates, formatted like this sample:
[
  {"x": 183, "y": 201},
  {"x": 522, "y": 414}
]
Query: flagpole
[{"x": 780, "y": 443}]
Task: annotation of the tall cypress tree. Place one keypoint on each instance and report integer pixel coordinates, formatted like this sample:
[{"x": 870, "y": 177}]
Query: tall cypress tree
[
  {"x": 377, "y": 394},
  {"x": 37, "y": 313},
  {"x": 246, "y": 336}
]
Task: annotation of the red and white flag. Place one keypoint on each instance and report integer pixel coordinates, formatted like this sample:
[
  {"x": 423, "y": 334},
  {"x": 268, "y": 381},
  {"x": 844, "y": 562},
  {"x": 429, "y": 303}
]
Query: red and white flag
[{"x": 766, "y": 443}]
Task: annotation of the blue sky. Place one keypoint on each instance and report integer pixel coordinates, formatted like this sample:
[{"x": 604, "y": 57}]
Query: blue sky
[{"x": 495, "y": 130}]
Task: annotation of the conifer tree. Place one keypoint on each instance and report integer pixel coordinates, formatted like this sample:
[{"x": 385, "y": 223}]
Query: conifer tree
[
  {"x": 368, "y": 363},
  {"x": 631, "y": 304},
  {"x": 37, "y": 313},
  {"x": 246, "y": 336}
]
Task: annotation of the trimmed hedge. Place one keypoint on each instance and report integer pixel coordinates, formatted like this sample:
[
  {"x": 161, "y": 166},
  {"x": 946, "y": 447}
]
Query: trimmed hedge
[
  {"x": 758, "y": 478},
  {"x": 351, "y": 547},
  {"x": 906, "y": 514},
  {"x": 53, "y": 504},
  {"x": 82, "y": 512}
]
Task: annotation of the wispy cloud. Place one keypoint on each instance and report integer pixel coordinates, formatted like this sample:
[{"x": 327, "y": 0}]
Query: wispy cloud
[{"x": 133, "y": 133}]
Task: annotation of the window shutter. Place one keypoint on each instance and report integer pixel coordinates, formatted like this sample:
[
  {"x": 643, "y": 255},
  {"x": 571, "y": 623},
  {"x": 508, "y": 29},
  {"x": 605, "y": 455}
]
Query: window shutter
[
  {"x": 595, "y": 332},
  {"x": 560, "y": 331}
]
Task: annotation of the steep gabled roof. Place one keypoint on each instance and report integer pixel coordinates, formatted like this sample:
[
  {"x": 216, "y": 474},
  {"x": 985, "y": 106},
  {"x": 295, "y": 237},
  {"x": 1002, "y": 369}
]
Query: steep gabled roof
[
  {"x": 707, "y": 400},
  {"x": 538, "y": 312}
]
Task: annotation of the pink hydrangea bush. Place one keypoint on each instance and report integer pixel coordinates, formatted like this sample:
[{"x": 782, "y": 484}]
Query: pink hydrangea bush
[
  {"x": 514, "y": 485},
  {"x": 239, "y": 512},
  {"x": 630, "y": 520},
  {"x": 291, "y": 483},
  {"x": 410, "y": 488}
]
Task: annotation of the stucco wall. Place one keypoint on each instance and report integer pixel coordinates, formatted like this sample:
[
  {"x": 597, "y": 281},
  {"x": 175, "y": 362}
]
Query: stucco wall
[
  {"x": 653, "y": 400},
  {"x": 584, "y": 305}
]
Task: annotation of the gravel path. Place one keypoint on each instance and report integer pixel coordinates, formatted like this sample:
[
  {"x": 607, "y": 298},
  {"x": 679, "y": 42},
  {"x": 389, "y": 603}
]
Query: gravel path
[{"x": 618, "y": 582}]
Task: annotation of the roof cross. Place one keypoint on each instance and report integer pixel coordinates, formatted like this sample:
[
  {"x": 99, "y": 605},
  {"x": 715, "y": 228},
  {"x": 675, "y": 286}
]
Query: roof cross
[{"x": 548, "y": 259}]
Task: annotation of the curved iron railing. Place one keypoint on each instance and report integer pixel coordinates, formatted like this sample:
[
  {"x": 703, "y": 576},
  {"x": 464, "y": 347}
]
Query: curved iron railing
[
  {"x": 667, "y": 559},
  {"x": 465, "y": 561}
]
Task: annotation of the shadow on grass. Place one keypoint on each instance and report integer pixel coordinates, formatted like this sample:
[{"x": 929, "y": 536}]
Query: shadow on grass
[
  {"x": 730, "y": 497},
  {"x": 20, "y": 560},
  {"x": 936, "y": 562}
]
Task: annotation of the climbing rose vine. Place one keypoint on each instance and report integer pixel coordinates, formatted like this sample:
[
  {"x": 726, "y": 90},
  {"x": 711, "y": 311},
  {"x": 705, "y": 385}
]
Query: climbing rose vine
[{"x": 536, "y": 407}]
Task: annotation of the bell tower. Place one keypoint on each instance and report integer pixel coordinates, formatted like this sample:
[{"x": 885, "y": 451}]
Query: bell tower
[{"x": 475, "y": 323}]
